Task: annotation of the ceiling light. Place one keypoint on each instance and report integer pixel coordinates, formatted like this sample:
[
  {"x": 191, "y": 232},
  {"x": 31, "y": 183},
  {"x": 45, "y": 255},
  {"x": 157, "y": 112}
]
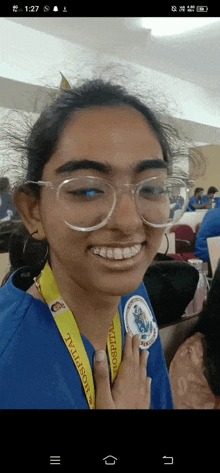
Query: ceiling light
[{"x": 170, "y": 26}]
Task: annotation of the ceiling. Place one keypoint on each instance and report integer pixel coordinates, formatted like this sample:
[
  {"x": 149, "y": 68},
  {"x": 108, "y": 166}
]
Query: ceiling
[{"x": 192, "y": 56}]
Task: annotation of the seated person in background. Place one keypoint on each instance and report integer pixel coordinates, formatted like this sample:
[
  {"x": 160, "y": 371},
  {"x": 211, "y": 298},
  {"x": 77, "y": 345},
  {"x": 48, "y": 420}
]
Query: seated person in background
[
  {"x": 215, "y": 196},
  {"x": 198, "y": 201},
  {"x": 7, "y": 209},
  {"x": 195, "y": 369},
  {"x": 211, "y": 195},
  {"x": 210, "y": 227}
]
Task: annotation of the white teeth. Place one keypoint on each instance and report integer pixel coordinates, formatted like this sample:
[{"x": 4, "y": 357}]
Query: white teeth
[
  {"x": 127, "y": 252},
  {"x": 117, "y": 253},
  {"x": 103, "y": 252},
  {"x": 96, "y": 251},
  {"x": 137, "y": 247},
  {"x": 110, "y": 253}
]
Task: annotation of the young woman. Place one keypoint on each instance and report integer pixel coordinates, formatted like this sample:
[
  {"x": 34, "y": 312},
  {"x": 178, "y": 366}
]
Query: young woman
[{"x": 97, "y": 192}]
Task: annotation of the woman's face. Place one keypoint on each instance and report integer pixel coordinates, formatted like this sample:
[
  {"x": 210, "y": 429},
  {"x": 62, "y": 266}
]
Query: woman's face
[{"x": 120, "y": 139}]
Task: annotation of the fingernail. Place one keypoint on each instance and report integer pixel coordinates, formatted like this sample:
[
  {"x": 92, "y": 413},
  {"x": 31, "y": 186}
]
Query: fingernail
[
  {"x": 138, "y": 336},
  {"x": 100, "y": 355}
]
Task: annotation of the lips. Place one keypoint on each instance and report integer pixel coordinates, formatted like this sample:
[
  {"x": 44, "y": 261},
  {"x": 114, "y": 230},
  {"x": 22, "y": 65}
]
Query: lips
[{"x": 116, "y": 253}]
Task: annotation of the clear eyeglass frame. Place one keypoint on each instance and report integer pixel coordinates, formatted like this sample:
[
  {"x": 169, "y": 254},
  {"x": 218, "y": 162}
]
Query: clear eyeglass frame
[{"x": 133, "y": 188}]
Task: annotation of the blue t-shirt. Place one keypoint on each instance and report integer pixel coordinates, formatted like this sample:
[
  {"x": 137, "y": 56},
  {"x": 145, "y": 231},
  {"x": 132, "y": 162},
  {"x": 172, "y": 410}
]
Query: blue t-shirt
[
  {"x": 217, "y": 202},
  {"x": 6, "y": 205},
  {"x": 210, "y": 228},
  {"x": 36, "y": 369},
  {"x": 194, "y": 200}
]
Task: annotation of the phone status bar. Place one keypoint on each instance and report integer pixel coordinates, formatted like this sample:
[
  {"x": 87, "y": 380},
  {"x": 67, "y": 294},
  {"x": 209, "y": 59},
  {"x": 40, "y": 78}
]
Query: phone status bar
[
  {"x": 38, "y": 9},
  {"x": 152, "y": 10}
]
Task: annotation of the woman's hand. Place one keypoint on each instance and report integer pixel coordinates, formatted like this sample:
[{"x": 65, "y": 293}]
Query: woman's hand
[{"x": 131, "y": 388}]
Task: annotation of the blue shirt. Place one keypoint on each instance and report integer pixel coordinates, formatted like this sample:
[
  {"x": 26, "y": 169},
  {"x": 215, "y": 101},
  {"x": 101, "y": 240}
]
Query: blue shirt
[
  {"x": 36, "y": 369},
  {"x": 7, "y": 204},
  {"x": 194, "y": 200},
  {"x": 210, "y": 228}
]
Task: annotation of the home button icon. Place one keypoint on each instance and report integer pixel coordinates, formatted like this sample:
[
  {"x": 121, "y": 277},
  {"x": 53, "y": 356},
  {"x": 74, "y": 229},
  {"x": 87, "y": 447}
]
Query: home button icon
[{"x": 110, "y": 460}]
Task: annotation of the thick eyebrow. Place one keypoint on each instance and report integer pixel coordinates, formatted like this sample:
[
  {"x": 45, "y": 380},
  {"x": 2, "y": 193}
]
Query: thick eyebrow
[
  {"x": 72, "y": 166},
  {"x": 150, "y": 164},
  {"x": 107, "y": 169}
]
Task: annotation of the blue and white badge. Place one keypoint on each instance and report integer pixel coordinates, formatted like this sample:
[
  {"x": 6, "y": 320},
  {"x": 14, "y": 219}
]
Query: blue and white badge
[{"x": 139, "y": 320}]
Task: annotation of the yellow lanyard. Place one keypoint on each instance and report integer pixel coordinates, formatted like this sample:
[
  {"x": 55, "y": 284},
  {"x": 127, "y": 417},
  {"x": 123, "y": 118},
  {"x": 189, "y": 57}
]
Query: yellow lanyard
[{"x": 69, "y": 331}]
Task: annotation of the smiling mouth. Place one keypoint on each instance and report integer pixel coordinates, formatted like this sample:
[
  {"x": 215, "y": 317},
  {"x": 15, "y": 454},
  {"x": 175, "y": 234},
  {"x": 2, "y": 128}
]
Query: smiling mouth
[{"x": 117, "y": 253}]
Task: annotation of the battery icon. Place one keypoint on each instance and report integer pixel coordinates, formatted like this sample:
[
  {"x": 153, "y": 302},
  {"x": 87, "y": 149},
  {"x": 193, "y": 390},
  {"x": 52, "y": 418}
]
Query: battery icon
[{"x": 201, "y": 9}]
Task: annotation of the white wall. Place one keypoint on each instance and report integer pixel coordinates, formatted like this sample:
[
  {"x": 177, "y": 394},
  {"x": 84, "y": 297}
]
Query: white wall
[
  {"x": 33, "y": 57},
  {"x": 31, "y": 60}
]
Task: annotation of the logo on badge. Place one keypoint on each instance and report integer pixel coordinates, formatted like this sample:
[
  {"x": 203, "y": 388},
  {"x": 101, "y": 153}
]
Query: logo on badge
[{"x": 139, "y": 320}]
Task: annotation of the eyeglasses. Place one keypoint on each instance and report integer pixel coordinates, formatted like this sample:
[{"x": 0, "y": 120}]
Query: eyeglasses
[{"x": 88, "y": 203}]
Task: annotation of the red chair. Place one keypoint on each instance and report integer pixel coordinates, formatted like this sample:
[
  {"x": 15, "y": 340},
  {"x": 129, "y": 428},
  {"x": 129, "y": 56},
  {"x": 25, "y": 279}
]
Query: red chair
[
  {"x": 185, "y": 241},
  {"x": 176, "y": 257},
  {"x": 185, "y": 237}
]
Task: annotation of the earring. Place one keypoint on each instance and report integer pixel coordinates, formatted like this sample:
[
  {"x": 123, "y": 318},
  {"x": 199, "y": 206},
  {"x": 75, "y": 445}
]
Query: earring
[{"x": 25, "y": 245}]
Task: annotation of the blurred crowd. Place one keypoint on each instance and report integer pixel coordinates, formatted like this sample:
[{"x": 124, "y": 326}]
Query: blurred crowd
[
  {"x": 8, "y": 212},
  {"x": 201, "y": 201}
]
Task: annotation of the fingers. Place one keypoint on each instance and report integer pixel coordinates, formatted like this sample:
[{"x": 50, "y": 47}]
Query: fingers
[
  {"x": 131, "y": 348},
  {"x": 136, "y": 348},
  {"x": 140, "y": 357},
  {"x": 131, "y": 388},
  {"x": 144, "y": 355},
  {"x": 101, "y": 375},
  {"x": 145, "y": 388}
]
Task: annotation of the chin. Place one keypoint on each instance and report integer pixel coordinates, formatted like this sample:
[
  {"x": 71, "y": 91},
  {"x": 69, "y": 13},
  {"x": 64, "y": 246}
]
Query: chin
[{"x": 122, "y": 287}]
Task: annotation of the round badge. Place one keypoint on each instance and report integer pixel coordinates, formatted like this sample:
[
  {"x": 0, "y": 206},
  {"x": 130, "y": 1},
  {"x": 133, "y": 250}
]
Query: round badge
[{"x": 139, "y": 320}]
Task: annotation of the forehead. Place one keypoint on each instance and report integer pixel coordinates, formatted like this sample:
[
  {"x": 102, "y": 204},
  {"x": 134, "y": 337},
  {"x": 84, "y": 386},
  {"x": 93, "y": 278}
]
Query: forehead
[{"x": 118, "y": 135}]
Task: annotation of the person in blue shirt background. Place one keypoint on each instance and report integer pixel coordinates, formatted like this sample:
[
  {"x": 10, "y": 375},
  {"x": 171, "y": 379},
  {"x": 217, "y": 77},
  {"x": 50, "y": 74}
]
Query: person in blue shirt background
[
  {"x": 198, "y": 201},
  {"x": 212, "y": 199},
  {"x": 94, "y": 139},
  {"x": 210, "y": 227}
]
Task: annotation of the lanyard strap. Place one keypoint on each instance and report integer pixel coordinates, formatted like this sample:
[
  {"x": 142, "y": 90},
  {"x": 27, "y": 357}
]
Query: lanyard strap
[{"x": 69, "y": 331}]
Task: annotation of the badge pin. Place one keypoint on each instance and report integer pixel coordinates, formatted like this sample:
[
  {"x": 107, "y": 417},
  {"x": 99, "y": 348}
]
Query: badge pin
[{"x": 139, "y": 320}]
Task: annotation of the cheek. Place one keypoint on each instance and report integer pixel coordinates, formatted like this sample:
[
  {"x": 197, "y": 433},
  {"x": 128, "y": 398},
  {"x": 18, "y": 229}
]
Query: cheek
[
  {"x": 62, "y": 240},
  {"x": 154, "y": 237},
  {"x": 66, "y": 243}
]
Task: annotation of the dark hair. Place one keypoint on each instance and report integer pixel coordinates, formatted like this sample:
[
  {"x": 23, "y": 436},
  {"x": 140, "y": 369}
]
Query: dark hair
[
  {"x": 212, "y": 190},
  {"x": 209, "y": 325},
  {"x": 24, "y": 250},
  {"x": 4, "y": 184},
  {"x": 198, "y": 189},
  {"x": 42, "y": 138},
  {"x": 45, "y": 134}
]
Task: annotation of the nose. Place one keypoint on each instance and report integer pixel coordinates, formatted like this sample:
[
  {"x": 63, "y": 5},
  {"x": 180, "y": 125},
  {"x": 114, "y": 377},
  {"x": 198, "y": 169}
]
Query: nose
[{"x": 125, "y": 216}]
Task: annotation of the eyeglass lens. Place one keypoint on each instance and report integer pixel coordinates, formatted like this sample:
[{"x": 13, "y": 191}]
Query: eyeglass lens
[{"x": 87, "y": 202}]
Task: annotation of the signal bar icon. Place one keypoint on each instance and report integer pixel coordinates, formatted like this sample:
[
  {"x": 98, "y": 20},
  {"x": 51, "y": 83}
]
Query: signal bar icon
[{"x": 55, "y": 460}]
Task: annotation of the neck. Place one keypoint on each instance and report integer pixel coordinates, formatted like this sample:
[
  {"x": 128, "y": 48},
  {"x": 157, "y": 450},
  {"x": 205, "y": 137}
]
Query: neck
[{"x": 93, "y": 311}]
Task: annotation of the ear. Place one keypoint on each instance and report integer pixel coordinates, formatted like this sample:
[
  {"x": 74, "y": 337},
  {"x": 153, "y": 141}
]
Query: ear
[{"x": 29, "y": 210}]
